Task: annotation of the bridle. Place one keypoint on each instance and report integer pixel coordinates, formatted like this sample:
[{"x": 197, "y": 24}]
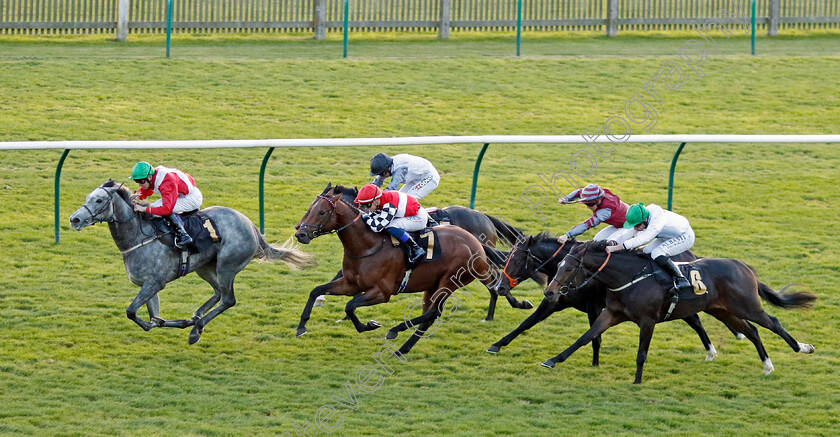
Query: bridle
[
  {"x": 112, "y": 218},
  {"x": 319, "y": 227},
  {"x": 580, "y": 266},
  {"x": 514, "y": 282}
]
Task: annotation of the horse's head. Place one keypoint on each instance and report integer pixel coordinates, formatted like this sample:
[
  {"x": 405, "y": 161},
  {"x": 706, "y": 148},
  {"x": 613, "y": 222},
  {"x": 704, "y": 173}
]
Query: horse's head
[
  {"x": 99, "y": 205},
  {"x": 327, "y": 213},
  {"x": 578, "y": 269},
  {"x": 515, "y": 269}
]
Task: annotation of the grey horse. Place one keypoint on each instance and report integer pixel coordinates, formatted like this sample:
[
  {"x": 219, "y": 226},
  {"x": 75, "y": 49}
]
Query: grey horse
[{"x": 151, "y": 264}]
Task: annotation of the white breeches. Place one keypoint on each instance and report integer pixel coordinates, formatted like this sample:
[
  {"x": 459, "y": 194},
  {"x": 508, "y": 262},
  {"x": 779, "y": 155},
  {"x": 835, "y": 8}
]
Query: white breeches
[
  {"x": 185, "y": 203},
  {"x": 411, "y": 224},
  {"x": 422, "y": 188},
  {"x": 672, "y": 246},
  {"x": 619, "y": 235}
]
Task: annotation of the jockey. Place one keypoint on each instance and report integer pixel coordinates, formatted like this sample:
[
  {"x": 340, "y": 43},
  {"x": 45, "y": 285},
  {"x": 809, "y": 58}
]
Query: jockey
[
  {"x": 396, "y": 212},
  {"x": 177, "y": 191},
  {"x": 418, "y": 175},
  {"x": 671, "y": 234},
  {"x": 606, "y": 207}
]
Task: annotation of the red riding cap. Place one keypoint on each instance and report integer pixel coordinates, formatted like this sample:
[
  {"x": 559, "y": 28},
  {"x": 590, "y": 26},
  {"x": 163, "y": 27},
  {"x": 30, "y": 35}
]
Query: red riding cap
[{"x": 368, "y": 194}]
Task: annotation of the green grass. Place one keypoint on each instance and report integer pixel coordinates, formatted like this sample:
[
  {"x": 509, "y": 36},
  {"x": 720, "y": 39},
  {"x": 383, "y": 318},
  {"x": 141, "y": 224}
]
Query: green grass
[{"x": 72, "y": 364}]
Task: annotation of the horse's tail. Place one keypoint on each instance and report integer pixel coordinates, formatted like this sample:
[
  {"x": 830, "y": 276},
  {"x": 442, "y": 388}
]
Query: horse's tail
[
  {"x": 505, "y": 230},
  {"x": 288, "y": 253},
  {"x": 786, "y": 300},
  {"x": 495, "y": 256}
]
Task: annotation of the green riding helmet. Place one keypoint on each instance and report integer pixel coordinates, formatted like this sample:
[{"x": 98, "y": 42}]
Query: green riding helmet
[
  {"x": 636, "y": 214},
  {"x": 142, "y": 170}
]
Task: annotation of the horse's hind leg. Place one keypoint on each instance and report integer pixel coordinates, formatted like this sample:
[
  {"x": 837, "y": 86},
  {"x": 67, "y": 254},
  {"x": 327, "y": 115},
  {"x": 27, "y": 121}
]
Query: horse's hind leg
[
  {"x": 772, "y": 323},
  {"x": 227, "y": 300},
  {"x": 542, "y": 312},
  {"x": 749, "y": 331},
  {"x": 208, "y": 273},
  {"x": 419, "y": 333},
  {"x": 697, "y": 326}
]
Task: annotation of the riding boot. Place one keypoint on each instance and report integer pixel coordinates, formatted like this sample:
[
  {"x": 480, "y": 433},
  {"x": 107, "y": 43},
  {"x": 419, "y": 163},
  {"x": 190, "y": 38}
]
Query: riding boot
[
  {"x": 668, "y": 265},
  {"x": 415, "y": 252},
  {"x": 182, "y": 238}
]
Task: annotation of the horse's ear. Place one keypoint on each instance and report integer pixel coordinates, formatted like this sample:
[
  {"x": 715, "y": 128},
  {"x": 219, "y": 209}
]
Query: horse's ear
[{"x": 329, "y": 185}]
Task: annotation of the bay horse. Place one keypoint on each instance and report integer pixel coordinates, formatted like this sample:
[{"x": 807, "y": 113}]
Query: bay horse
[
  {"x": 373, "y": 268},
  {"x": 151, "y": 264},
  {"x": 490, "y": 231},
  {"x": 537, "y": 257},
  {"x": 728, "y": 290}
]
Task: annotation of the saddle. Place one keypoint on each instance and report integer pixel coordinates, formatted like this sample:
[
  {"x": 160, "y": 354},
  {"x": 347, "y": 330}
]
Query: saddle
[
  {"x": 437, "y": 217},
  {"x": 201, "y": 228},
  {"x": 427, "y": 239},
  {"x": 694, "y": 275}
]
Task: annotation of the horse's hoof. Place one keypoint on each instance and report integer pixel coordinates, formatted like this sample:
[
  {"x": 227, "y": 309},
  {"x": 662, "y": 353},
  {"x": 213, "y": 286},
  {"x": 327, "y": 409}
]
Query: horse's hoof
[
  {"x": 373, "y": 324},
  {"x": 487, "y": 320},
  {"x": 194, "y": 337},
  {"x": 527, "y": 305},
  {"x": 157, "y": 322},
  {"x": 711, "y": 354},
  {"x": 300, "y": 332},
  {"x": 548, "y": 364},
  {"x": 805, "y": 348},
  {"x": 494, "y": 349},
  {"x": 739, "y": 336},
  {"x": 319, "y": 301},
  {"x": 391, "y": 335}
]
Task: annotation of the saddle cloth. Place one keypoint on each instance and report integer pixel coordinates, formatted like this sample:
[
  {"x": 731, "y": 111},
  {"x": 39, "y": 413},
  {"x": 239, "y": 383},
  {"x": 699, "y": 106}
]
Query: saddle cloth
[
  {"x": 437, "y": 217},
  {"x": 427, "y": 239},
  {"x": 201, "y": 228},
  {"x": 693, "y": 273}
]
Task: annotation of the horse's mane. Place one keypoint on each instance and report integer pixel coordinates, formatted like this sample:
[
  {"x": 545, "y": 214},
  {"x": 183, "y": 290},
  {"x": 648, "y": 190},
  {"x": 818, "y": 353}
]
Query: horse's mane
[
  {"x": 122, "y": 190},
  {"x": 547, "y": 236},
  {"x": 347, "y": 193}
]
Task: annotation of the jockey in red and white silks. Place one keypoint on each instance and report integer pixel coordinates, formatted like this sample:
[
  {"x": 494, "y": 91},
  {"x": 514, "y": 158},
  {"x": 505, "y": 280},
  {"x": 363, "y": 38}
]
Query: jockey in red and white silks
[
  {"x": 395, "y": 212},
  {"x": 177, "y": 191},
  {"x": 418, "y": 176}
]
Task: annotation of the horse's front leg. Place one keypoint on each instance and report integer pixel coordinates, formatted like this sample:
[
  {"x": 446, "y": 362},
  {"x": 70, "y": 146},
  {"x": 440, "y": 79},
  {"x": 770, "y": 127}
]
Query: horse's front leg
[
  {"x": 593, "y": 310},
  {"x": 370, "y": 297},
  {"x": 645, "y": 334},
  {"x": 307, "y": 309},
  {"x": 545, "y": 309},
  {"x": 697, "y": 326},
  {"x": 147, "y": 293},
  {"x": 602, "y": 323},
  {"x": 154, "y": 316}
]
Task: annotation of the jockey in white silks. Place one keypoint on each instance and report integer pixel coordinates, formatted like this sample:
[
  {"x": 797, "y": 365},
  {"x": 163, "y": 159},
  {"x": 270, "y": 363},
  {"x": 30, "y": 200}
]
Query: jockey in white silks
[
  {"x": 417, "y": 175},
  {"x": 667, "y": 234}
]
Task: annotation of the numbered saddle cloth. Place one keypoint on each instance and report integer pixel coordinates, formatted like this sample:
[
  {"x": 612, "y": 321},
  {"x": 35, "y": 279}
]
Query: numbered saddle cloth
[
  {"x": 201, "y": 228},
  {"x": 427, "y": 239},
  {"x": 699, "y": 282}
]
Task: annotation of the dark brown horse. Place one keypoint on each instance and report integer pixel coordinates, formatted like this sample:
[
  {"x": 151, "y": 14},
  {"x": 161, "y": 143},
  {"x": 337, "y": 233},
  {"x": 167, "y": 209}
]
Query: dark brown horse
[
  {"x": 727, "y": 289},
  {"x": 373, "y": 269},
  {"x": 539, "y": 255}
]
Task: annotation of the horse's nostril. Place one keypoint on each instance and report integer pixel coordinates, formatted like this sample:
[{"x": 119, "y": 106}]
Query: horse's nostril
[
  {"x": 74, "y": 220},
  {"x": 297, "y": 226}
]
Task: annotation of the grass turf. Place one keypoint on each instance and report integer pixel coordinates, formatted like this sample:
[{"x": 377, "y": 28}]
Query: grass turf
[{"x": 72, "y": 364}]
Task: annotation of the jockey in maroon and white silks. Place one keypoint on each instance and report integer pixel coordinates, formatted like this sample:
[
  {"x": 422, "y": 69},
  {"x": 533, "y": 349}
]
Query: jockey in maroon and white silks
[
  {"x": 606, "y": 208},
  {"x": 177, "y": 191}
]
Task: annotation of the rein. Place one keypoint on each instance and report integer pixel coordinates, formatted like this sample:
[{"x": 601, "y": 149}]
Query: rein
[
  {"x": 514, "y": 282},
  {"x": 318, "y": 229},
  {"x": 589, "y": 279}
]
